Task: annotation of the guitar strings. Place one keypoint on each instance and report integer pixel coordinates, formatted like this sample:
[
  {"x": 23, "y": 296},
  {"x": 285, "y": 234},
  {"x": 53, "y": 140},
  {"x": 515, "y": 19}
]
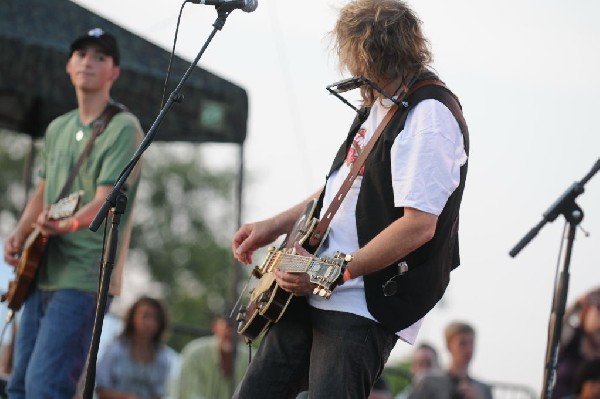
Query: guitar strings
[{"x": 235, "y": 305}]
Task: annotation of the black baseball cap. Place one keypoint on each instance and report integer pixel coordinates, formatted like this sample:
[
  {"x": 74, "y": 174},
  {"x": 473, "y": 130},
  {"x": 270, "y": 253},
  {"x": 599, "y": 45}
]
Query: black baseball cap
[{"x": 98, "y": 36}]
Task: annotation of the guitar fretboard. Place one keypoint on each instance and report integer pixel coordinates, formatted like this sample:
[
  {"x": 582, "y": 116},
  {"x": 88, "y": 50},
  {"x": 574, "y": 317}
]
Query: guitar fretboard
[{"x": 291, "y": 263}]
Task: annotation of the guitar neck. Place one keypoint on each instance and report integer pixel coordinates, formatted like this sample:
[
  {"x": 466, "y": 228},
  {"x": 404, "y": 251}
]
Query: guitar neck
[
  {"x": 32, "y": 237},
  {"x": 291, "y": 263}
]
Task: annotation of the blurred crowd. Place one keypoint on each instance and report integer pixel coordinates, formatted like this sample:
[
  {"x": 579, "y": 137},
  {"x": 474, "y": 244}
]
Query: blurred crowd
[{"x": 134, "y": 362}]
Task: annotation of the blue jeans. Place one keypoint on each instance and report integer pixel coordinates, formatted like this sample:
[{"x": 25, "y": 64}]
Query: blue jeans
[
  {"x": 52, "y": 344},
  {"x": 332, "y": 354}
]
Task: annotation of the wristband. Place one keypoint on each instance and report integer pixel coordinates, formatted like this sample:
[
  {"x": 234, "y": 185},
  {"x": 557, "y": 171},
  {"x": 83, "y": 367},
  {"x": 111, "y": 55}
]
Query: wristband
[
  {"x": 74, "y": 224},
  {"x": 347, "y": 276}
]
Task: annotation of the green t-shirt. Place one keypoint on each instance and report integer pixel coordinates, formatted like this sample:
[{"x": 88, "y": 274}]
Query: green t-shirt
[
  {"x": 72, "y": 260},
  {"x": 200, "y": 376}
]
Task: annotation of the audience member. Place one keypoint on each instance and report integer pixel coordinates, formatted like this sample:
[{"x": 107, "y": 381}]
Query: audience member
[
  {"x": 207, "y": 364},
  {"x": 7, "y": 344},
  {"x": 455, "y": 383},
  {"x": 136, "y": 364},
  {"x": 580, "y": 341},
  {"x": 7, "y": 329},
  {"x": 588, "y": 380},
  {"x": 381, "y": 389},
  {"x": 424, "y": 359}
]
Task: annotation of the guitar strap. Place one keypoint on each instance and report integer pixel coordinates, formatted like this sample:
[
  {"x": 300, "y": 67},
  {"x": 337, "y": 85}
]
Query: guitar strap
[
  {"x": 321, "y": 228},
  {"x": 98, "y": 127}
]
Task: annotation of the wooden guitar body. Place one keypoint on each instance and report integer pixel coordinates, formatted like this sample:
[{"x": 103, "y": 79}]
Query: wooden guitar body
[
  {"x": 31, "y": 256},
  {"x": 268, "y": 301},
  {"x": 19, "y": 288}
]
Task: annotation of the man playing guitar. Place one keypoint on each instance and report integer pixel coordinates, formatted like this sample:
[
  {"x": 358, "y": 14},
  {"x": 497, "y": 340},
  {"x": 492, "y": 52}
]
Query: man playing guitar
[
  {"x": 399, "y": 219},
  {"x": 58, "y": 314}
]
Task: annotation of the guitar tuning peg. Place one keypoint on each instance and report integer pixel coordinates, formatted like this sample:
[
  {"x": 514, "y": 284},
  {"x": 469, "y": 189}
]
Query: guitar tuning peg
[
  {"x": 316, "y": 291},
  {"x": 322, "y": 292},
  {"x": 256, "y": 272}
]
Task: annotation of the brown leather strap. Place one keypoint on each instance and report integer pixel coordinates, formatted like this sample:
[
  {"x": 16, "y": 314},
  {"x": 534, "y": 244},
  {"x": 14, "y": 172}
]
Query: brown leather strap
[
  {"x": 98, "y": 127},
  {"x": 321, "y": 228},
  {"x": 421, "y": 83}
]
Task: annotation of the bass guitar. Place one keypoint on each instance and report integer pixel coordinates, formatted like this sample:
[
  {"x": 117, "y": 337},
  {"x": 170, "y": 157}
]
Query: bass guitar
[
  {"x": 34, "y": 246},
  {"x": 268, "y": 301}
]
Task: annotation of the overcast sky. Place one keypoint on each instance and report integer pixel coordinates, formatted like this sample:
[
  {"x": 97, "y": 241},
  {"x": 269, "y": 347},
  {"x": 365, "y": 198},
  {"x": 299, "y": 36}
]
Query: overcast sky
[{"x": 527, "y": 76}]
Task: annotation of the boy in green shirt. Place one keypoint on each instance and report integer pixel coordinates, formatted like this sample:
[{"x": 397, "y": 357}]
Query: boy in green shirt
[{"x": 57, "y": 318}]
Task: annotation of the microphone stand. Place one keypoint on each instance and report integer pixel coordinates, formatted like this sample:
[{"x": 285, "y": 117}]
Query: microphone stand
[
  {"x": 117, "y": 201},
  {"x": 573, "y": 214}
]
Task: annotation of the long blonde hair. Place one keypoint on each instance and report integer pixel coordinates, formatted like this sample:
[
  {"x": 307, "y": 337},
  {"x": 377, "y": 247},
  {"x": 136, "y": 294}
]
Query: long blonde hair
[{"x": 381, "y": 40}]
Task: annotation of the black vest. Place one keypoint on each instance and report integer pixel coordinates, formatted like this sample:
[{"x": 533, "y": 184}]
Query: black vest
[{"x": 419, "y": 289}]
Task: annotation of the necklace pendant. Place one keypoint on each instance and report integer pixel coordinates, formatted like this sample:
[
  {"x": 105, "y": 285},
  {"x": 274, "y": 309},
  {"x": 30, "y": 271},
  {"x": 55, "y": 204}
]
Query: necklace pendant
[{"x": 79, "y": 135}]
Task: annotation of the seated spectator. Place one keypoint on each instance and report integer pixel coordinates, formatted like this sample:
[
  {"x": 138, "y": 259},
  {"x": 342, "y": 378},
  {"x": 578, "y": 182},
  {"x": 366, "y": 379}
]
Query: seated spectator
[
  {"x": 454, "y": 383},
  {"x": 588, "y": 380},
  {"x": 424, "y": 359},
  {"x": 207, "y": 366},
  {"x": 381, "y": 389},
  {"x": 8, "y": 328},
  {"x": 580, "y": 341},
  {"x": 587, "y": 385},
  {"x": 136, "y": 364}
]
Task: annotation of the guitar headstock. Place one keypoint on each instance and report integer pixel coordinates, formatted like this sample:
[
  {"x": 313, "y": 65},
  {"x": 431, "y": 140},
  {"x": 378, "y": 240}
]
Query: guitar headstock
[
  {"x": 325, "y": 272},
  {"x": 65, "y": 207}
]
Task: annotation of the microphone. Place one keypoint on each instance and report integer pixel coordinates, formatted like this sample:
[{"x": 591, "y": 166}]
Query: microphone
[{"x": 229, "y": 5}]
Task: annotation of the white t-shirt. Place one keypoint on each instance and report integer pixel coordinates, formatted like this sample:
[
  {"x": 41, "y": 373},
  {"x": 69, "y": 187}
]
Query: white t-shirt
[{"x": 426, "y": 159}]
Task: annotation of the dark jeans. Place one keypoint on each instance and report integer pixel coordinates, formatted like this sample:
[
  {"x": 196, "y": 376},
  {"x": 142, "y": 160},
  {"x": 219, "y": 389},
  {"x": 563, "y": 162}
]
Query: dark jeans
[{"x": 332, "y": 354}]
